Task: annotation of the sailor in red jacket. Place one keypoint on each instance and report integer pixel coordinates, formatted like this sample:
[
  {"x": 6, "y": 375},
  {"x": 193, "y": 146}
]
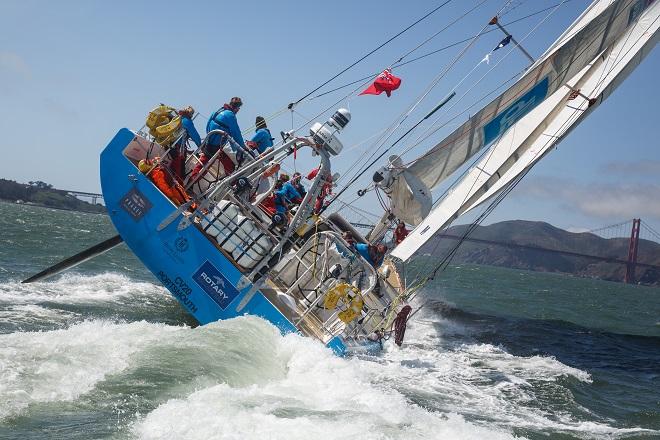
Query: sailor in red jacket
[{"x": 400, "y": 233}]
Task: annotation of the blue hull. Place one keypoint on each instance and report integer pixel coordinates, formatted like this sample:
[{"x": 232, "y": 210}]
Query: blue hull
[{"x": 197, "y": 274}]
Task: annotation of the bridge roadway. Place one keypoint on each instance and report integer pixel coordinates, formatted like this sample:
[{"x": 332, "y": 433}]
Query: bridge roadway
[
  {"x": 93, "y": 196},
  {"x": 542, "y": 249},
  {"x": 532, "y": 247}
]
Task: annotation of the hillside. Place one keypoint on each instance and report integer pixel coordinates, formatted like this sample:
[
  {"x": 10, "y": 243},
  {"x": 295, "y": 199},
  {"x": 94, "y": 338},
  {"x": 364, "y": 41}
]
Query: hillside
[
  {"x": 43, "y": 194},
  {"x": 544, "y": 235}
]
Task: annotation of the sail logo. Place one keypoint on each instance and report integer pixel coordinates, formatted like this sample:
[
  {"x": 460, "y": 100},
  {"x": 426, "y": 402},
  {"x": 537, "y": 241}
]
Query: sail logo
[
  {"x": 514, "y": 112},
  {"x": 209, "y": 278}
]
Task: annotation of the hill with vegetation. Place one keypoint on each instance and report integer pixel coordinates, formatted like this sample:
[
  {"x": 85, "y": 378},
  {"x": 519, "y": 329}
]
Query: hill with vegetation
[
  {"x": 43, "y": 194},
  {"x": 544, "y": 235}
]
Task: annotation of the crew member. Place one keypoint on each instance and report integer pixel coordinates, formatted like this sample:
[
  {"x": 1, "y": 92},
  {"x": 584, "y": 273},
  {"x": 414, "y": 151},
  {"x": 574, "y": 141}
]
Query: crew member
[
  {"x": 262, "y": 141},
  {"x": 163, "y": 181},
  {"x": 289, "y": 190},
  {"x": 374, "y": 254},
  {"x": 179, "y": 150},
  {"x": 280, "y": 198},
  {"x": 223, "y": 119},
  {"x": 348, "y": 238},
  {"x": 297, "y": 184},
  {"x": 400, "y": 232}
]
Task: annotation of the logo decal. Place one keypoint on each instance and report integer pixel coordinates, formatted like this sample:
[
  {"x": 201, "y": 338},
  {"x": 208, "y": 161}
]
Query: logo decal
[
  {"x": 181, "y": 244},
  {"x": 513, "y": 113},
  {"x": 135, "y": 203},
  {"x": 209, "y": 278}
]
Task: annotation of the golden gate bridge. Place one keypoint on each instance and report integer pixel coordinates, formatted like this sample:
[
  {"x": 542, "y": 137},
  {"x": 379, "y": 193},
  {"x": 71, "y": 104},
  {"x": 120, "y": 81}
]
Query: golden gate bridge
[{"x": 633, "y": 231}]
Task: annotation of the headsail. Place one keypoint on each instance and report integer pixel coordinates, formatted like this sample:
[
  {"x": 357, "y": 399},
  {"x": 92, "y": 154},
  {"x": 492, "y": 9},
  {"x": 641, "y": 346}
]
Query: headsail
[
  {"x": 603, "y": 23},
  {"x": 535, "y": 133}
]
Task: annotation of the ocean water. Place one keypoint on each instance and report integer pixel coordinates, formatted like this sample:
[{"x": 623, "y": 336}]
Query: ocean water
[{"x": 104, "y": 352}]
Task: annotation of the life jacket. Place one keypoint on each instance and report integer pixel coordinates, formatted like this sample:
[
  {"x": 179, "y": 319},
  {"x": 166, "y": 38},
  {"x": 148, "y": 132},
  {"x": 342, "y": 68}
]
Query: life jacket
[
  {"x": 164, "y": 125},
  {"x": 165, "y": 184},
  {"x": 340, "y": 293}
]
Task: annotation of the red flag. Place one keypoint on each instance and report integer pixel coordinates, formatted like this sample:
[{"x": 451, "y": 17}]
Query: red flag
[{"x": 385, "y": 82}]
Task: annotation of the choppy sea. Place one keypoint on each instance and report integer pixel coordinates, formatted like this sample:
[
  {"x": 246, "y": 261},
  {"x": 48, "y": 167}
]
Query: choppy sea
[{"x": 103, "y": 351}]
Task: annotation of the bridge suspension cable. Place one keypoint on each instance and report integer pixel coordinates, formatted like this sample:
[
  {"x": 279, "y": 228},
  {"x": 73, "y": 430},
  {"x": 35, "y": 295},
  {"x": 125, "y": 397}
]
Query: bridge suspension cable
[
  {"x": 618, "y": 227},
  {"x": 652, "y": 232}
]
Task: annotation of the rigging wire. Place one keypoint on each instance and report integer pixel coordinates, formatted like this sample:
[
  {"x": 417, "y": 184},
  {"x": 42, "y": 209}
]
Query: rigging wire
[
  {"x": 284, "y": 109},
  {"x": 369, "y": 78},
  {"x": 372, "y": 51},
  {"x": 555, "y": 7},
  {"x": 433, "y": 129},
  {"x": 392, "y": 128},
  {"x": 435, "y": 81},
  {"x": 442, "y": 49}
]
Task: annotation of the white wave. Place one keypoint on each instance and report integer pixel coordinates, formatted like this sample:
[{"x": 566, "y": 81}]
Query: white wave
[
  {"x": 320, "y": 396},
  {"x": 25, "y": 316},
  {"x": 241, "y": 379},
  {"x": 61, "y": 365},
  {"x": 71, "y": 289},
  {"x": 485, "y": 383}
]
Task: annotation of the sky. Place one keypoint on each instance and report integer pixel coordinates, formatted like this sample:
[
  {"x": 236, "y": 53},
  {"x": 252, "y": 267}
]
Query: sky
[{"x": 72, "y": 73}]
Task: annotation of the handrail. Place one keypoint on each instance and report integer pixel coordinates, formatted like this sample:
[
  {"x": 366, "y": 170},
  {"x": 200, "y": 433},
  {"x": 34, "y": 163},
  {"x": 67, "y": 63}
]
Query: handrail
[{"x": 331, "y": 237}]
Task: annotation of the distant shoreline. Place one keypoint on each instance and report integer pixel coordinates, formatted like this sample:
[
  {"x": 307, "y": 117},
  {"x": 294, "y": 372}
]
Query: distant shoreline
[
  {"x": 59, "y": 208},
  {"x": 42, "y": 194}
]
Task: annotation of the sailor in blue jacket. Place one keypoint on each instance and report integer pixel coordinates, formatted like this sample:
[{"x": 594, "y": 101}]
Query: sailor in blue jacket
[
  {"x": 373, "y": 254},
  {"x": 262, "y": 140},
  {"x": 288, "y": 191},
  {"x": 189, "y": 126},
  {"x": 225, "y": 119},
  {"x": 179, "y": 150},
  {"x": 280, "y": 200}
]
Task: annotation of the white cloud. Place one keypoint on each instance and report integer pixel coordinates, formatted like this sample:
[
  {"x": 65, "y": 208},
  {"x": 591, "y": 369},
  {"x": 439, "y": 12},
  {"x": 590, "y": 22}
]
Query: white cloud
[
  {"x": 13, "y": 63},
  {"x": 607, "y": 201},
  {"x": 577, "y": 229},
  {"x": 639, "y": 168}
]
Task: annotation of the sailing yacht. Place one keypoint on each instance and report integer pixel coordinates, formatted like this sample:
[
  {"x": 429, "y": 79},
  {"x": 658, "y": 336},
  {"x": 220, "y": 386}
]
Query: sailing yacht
[{"x": 222, "y": 254}]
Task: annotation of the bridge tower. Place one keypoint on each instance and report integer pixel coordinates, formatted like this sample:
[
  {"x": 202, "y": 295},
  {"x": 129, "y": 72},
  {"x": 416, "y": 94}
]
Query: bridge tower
[{"x": 632, "y": 251}]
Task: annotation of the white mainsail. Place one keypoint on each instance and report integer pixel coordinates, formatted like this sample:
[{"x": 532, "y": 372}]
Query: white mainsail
[{"x": 528, "y": 139}]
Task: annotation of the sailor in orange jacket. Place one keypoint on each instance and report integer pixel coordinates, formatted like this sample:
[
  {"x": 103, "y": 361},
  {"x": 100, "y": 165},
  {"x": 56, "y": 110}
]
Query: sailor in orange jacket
[{"x": 163, "y": 181}]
